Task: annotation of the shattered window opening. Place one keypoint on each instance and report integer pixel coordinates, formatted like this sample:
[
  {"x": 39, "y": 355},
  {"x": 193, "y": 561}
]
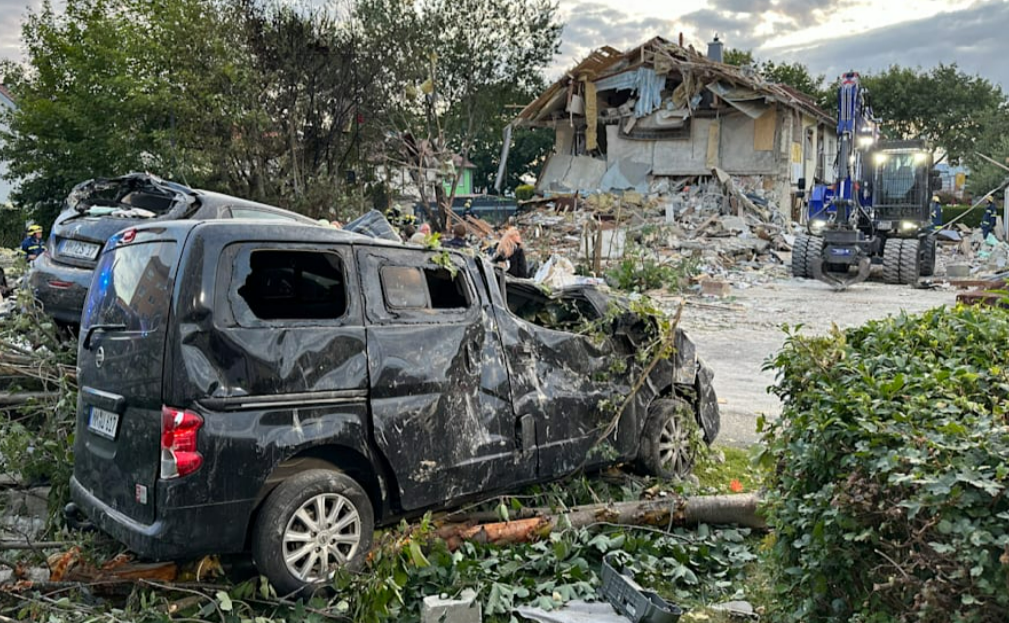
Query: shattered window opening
[
  {"x": 410, "y": 287},
  {"x": 295, "y": 285}
]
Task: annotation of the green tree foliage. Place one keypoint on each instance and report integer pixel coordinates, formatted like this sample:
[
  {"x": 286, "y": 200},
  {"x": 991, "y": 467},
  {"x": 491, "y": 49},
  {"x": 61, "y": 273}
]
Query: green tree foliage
[
  {"x": 888, "y": 491},
  {"x": 795, "y": 75},
  {"x": 739, "y": 58},
  {"x": 944, "y": 105},
  {"x": 178, "y": 88},
  {"x": 449, "y": 68}
]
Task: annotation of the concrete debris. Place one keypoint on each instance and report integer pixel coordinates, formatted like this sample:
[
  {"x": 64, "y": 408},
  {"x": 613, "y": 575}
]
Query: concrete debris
[
  {"x": 727, "y": 225},
  {"x": 714, "y": 287},
  {"x": 443, "y": 609}
]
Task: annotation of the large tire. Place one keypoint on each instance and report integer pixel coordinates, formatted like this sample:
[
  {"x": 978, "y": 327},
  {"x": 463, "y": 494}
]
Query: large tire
[
  {"x": 910, "y": 261},
  {"x": 669, "y": 441},
  {"x": 928, "y": 256},
  {"x": 309, "y": 525},
  {"x": 800, "y": 268},
  {"x": 891, "y": 260}
]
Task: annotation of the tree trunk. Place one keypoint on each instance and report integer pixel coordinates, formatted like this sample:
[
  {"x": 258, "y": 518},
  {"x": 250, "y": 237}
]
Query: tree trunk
[{"x": 535, "y": 523}]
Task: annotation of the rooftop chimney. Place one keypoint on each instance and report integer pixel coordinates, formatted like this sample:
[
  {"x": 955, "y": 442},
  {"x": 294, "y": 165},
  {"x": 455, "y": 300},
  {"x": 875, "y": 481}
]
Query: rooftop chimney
[{"x": 715, "y": 50}]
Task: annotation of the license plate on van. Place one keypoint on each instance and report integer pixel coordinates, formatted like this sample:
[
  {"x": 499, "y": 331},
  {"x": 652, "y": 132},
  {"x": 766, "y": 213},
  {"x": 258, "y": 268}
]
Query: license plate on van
[{"x": 103, "y": 422}]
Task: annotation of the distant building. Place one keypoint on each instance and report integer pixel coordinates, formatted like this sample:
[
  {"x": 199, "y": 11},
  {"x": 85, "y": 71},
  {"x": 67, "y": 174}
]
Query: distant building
[
  {"x": 7, "y": 103},
  {"x": 954, "y": 178}
]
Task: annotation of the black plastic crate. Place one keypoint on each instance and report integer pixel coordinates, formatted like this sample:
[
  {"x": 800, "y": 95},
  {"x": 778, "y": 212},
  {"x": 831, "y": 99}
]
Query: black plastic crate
[{"x": 634, "y": 602}]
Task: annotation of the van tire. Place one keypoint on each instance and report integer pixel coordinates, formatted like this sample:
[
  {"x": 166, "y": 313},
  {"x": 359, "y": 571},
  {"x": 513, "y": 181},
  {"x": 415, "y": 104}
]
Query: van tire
[
  {"x": 276, "y": 524},
  {"x": 669, "y": 444}
]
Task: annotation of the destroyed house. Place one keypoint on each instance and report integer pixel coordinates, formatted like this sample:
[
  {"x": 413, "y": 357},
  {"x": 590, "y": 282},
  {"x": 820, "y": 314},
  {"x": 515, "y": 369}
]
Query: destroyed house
[{"x": 628, "y": 120}]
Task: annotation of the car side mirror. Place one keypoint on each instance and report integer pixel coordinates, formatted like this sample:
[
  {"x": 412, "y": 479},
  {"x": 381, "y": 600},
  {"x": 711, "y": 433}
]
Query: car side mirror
[{"x": 801, "y": 183}]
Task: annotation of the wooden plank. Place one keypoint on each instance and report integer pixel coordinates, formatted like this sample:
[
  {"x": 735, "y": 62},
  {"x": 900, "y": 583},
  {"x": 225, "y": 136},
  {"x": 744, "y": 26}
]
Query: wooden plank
[
  {"x": 714, "y": 133},
  {"x": 591, "y": 118},
  {"x": 763, "y": 130}
]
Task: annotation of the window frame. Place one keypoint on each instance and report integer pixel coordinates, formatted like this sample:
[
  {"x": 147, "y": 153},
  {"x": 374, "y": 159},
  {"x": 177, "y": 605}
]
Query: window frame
[
  {"x": 235, "y": 266},
  {"x": 371, "y": 261}
]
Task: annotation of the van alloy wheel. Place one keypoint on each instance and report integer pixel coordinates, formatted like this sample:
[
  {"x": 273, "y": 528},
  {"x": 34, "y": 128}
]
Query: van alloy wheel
[
  {"x": 321, "y": 536},
  {"x": 312, "y": 524},
  {"x": 668, "y": 448},
  {"x": 675, "y": 453}
]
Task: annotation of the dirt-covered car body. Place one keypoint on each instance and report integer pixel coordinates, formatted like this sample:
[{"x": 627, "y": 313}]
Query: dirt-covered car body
[
  {"x": 226, "y": 368},
  {"x": 96, "y": 209}
]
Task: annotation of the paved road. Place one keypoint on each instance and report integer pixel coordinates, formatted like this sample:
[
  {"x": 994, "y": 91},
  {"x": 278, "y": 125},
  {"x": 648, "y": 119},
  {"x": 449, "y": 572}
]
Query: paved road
[{"x": 735, "y": 336}]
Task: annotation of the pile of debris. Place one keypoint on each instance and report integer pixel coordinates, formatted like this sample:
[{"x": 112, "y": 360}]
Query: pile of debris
[{"x": 726, "y": 224}]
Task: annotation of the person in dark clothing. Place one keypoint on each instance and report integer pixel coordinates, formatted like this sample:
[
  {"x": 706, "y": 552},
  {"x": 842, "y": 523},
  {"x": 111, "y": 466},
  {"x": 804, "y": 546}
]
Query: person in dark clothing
[
  {"x": 32, "y": 246},
  {"x": 458, "y": 240},
  {"x": 989, "y": 217},
  {"x": 509, "y": 249}
]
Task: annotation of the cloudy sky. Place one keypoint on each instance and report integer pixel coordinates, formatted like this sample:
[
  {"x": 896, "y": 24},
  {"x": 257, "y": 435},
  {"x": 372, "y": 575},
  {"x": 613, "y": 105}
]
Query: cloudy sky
[{"x": 830, "y": 36}]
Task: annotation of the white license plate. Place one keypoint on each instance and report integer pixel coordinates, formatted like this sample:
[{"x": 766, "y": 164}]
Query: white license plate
[
  {"x": 79, "y": 250},
  {"x": 103, "y": 422},
  {"x": 885, "y": 224}
]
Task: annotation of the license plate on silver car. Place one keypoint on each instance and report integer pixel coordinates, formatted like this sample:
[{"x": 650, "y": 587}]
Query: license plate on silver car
[
  {"x": 103, "y": 422},
  {"x": 79, "y": 249}
]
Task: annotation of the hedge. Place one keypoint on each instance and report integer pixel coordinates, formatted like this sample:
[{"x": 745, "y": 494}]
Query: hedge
[{"x": 889, "y": 471}]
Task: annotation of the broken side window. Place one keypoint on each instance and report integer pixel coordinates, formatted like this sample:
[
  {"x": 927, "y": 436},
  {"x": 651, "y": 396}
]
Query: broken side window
[
  {"x": 410, "y": 287},
  {"x": 295, "y": 285}
]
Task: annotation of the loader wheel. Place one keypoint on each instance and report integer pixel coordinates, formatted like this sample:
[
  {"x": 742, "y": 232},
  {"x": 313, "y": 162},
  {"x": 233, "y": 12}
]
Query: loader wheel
[
  {"x": 800, "y": 268},
  {"x": 928, "y": 256},
  {"x": 910, "y": 261},
  {"x": 669, "y": 441},
  {"x": 309, "y": 525},
  {"x": 891, "y": 260}
]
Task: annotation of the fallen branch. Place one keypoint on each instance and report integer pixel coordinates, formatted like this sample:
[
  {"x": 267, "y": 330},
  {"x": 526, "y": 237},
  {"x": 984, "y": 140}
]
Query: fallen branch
[{"x": 536, "y": 523}]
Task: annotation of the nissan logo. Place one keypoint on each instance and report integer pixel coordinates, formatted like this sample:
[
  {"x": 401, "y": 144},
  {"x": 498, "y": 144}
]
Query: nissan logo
[{"x": 100, "y": 357}]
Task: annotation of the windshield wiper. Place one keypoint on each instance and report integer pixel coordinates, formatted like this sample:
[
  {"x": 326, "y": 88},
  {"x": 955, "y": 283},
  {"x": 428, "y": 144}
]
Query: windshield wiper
[{"x": 100, "y": 327}]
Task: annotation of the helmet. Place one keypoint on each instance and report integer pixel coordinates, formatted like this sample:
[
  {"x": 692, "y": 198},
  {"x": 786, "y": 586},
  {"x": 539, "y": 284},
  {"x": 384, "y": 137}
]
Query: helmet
[
  {"x": 35, "y": 229},
  {"x": 935, "y": 198}
]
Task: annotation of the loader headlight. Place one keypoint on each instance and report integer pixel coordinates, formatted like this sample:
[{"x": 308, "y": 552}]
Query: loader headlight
[
  {"x": 865, "y": 141},
  {"x": 908, "y": 225},
  {"x": 817, "y": 225}
]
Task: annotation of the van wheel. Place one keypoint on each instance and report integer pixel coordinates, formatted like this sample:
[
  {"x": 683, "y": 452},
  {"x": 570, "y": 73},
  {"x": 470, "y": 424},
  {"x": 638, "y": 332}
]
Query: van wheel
[
  {"x": 669, "y": 443},
  {"x": 310, "y": 525}
]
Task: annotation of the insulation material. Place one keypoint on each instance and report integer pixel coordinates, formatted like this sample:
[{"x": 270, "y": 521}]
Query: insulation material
[
  {"x": 645, "y": 82},
  {"x": 711, "y": 161},
  {"x": 591, "y": 117},
  {"x": 763, "y": 131}
]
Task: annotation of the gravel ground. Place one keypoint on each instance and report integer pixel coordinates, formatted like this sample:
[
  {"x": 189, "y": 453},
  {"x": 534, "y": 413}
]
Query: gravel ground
[{"x": 736, "y": 334}]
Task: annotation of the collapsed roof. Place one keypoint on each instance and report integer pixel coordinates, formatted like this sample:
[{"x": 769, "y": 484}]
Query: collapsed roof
[{"x": 656, "y": 88}]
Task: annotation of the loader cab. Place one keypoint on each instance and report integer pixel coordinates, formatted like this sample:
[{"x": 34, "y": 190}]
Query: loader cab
[{"x": 902, "y": 186}]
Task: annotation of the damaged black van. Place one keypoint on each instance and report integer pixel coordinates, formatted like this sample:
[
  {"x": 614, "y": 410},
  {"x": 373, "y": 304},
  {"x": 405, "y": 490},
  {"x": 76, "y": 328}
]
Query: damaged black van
[{"x": 287, "y": 389}]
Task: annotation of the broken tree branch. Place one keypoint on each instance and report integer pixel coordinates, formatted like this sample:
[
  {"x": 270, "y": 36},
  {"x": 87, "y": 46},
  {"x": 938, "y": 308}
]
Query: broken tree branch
[{"x": 537, "y": 523}]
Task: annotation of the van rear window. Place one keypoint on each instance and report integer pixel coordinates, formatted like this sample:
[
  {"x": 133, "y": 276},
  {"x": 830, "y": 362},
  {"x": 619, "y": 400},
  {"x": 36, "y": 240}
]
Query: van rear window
[{"x": 131, "y": 287}]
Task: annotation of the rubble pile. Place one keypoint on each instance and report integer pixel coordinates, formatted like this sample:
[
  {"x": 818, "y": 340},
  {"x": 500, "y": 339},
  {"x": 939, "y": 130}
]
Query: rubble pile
[
  {"x": 965, "y": 253},
  {"x": 726, "y": 224}
]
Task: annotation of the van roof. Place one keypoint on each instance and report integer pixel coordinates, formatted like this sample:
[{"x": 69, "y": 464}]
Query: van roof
[{"x": 273, "y": 230}]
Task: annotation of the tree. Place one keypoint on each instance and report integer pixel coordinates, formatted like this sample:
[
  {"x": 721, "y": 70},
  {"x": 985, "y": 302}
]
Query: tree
[
  {"x": 739, "y": 58},
  {"x": 943, "y": 105},
  {"x": 176, "y": 88},
  {"x": 449, "y": 65},
  {"x": 795, "y": 75}
]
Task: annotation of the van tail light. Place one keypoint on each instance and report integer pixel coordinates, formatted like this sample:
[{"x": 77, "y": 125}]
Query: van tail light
[{"x": 178, "y": 442}]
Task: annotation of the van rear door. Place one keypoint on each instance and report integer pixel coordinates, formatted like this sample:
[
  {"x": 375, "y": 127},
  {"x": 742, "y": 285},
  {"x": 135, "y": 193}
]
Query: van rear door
[{"x": 120, "y": 361}]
